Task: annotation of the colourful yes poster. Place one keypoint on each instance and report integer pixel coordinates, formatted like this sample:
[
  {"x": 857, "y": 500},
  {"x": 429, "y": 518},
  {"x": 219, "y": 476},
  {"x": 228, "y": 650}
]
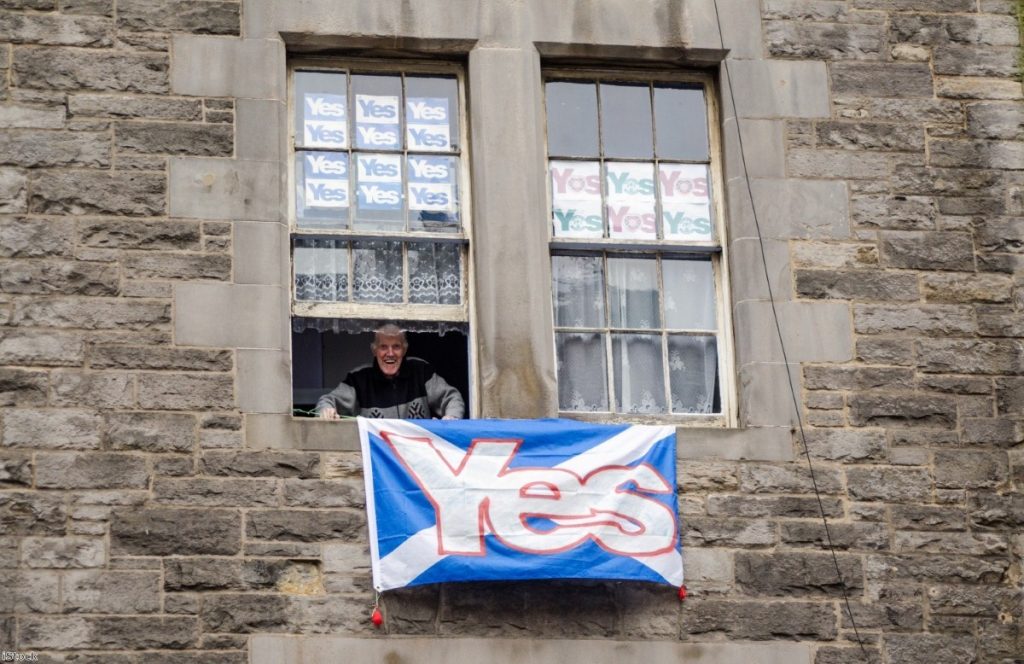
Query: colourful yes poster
[
  {"x": 630, "y": 204},
  {"x": 576, "y": 199},
  {"x": 685, "y": 202}
]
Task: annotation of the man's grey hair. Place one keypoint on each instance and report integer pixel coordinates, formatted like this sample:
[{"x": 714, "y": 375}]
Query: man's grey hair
[{"x": 388, "y": 330}]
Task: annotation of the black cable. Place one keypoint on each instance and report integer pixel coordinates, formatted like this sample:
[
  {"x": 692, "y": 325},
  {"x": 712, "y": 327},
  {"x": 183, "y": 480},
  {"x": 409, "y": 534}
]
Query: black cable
[{"x": 782, "y": 344}]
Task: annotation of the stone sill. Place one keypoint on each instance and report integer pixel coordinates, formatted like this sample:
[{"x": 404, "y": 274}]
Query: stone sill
[{"x": 279, "y": 431}]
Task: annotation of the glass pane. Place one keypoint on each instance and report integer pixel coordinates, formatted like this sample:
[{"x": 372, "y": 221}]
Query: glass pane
[
  {"x": 435, "y": 274},
  {"x": 321, "y": 189},
  {"x": 377, "y": 112},
  {"x": 689, "y": 294},
  {"x": 626, "y": 121},
  {"x": 321, "y": 111},
  {"x": 631, "y": 208},
  {"x": 377, "y": 271},
  {"x": 432, "y": 193},
  {"x": 576, "y": 198},
  {"x": 639, "y": 376},
  {"x": 681, "y": 119},
  {"x": 431, "y": 113},
  {"x": 582, "y": 372},
  {"x": 572, "y": 119},
  {"x": 578, "y": 291},
  {"x": 633, "y": 293},
  {"x": 321, "y": 269},
  {"x": 379, "y": 192},
  {"x": 686, "y": 202},
  {"x": 693, "y": 374}
]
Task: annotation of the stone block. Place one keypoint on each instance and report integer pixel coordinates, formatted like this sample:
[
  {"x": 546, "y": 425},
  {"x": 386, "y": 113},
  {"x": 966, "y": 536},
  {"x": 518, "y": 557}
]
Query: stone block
[
  {"x": 973, "y": 600},
  {"x": 972, "y": 288},
  {"x": 979, "y": 544},
  {"x": 200, "y": 308},
  {"x": 886, "y": 615},
  {"x": 937, "y": 29},
  {"x": 305, "y": 525},
  {"x": 763, "y": 149},
  {"x": 65, "y": 429},
  {"x": 957, "y": 60},
  {"x": 970, "y": 469},
  {"x": 29, "y": 592},
  {"x": 32, "y": 238},
  {"x": 33, "y": 117},
  {"x": 724, "y": 532},
  {"x": 970, "y": 356},
  {"x": 790, "y": 209},
  {"x": 264, "y": 381},
  {"x": 789, "y": 507},
  {"x": 857, "y": 285},
  {"x": 848, "y": 536},
  {"x": 240, "y": 613},
  {"x": 925, "y": 319},
  {"x": 15, "y": 471},
  {"x": 74, "y": 69},
  {"x": 877, "y": 136},
  {"x": 847, "y": 445},
  {"x": 93, "y": 470},
  {"x": 101, "y": 390},
  {"x": 25, "y": 513},
  {"x": 868, "y": 79},
  {"x": 324, "y": 493},
  {"x": 766, "y": 401},
  {"x": 59, "y": 277},
  {"x": 847, "y": 255},
  {"x": 202, "y": 574},
  {"x": 706, "y": 476},
  {"x": 150, "y": 432},
  {"x": 896, "y": 409},
  {"x": 174, "y": 138},
  {"x": 109, "y": 633},
  {"x": 976, "y": 154},
  {"x": 256, "y": 121},
  {"x": 847, "y": 164},
  {"x": 248, "y": 68},
  {"x": 974, "y": 88},
  {"x": 747, "y": 274},
  {"x": 928, "y": 518},
  {"x": 894, "y": 212},
  {"x": 97, "y": 193},
  {"x": 63, "y": 552},
  {"x": 215, "y": 492},
  {"x": 935, "y": 568},
  {"x": 780, "y": 88},
  {"x": 56, "y": 29},
  {"x": 1010, "y": 395},
  {"x": 218, "y": 18},
  {"x": 824, "y": 41},
  {"x": 895, "y": 485},
  {"x": 999, "y": 322},
  {"x": 256, "y": 246},
  {"x": 41, "y": 148},
  {"x": 758, "y": 620},
  {"x": 797, "y": 574},
  {"x": 93, "y": 313},
  {"x": 791, "y": 478},
  {"x": 167, "y": 391},
  {"x": 159, "y": 532},
  {"x": 262, "y": 464},
  {"x": 756, "y": 444},
  {"x": 100, "y": 591},
  {"x": 21, "y": 387},
  {"x": 914, "y": 109},
  {"x": 176, "y": 266},
  {"x": 133, "y": 106},
  {"x": 139, "y": 234},
  {"x": 13, "y": 192},
  {"x": 1002, "y": 511},
  {"x": 995, "y": 120},
  {"x": 812, "y": 332},
  {"x": 1000, "y": 234},
  {"x": 148, "y": 357}
]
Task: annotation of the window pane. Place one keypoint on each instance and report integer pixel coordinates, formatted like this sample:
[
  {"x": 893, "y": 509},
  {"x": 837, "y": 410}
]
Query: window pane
[
  {"x": 432, "y": 193},
  {"x": 377, "y": 112},
  {"x": 689, "y": 294},
  {"x": 377, "y": 271},
  {"x": 572, "y": 119},
  {"x": 633, "y": 293},
  {"x": 435, "y": 274},
  {"x": 631, "y": 207},
  {"x": 431, "y": 113},
  {"x": 321, "y": 189},
  {"x": 321, "y": 269},
  {"x": 639, "y": 376},
  {"x": 693, "y": 374},
  {"x": 379, "y": 192},
  {"x": 681, "y": 119},
  {"x": 582, "y": 372},
  {"x": 686, "y": 202},
  {"x": 321, "y": 111},
  {"x": 578, "y": 291},
  {"x": 626, "y": 121},
  {"x": 576, "y": 198}
]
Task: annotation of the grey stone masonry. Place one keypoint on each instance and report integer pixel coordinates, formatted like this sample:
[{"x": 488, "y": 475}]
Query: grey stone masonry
[{"x": 159, "y": 503}]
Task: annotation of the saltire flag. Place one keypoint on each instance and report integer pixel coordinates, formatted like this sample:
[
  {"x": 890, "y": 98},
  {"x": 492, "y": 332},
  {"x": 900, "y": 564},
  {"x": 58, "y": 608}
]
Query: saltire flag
[{"x": 489, "y": 500}]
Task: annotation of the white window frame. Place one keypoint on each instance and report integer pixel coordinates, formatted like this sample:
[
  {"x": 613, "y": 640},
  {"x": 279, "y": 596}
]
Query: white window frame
[{"x": 659, "y": 249}]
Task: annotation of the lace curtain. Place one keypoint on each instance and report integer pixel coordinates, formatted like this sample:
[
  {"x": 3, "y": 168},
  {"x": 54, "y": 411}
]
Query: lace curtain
[
  {"x": 435, "y": 274},
  {"x": 321, "y": 269}
]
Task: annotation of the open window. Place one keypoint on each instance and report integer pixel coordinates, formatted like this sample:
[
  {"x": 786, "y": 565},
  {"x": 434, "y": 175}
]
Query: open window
[{"x": 378, "y": 230}]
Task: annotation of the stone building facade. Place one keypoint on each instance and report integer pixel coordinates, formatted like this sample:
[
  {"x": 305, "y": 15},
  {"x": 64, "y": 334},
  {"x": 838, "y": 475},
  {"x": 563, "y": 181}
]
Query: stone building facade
[{"x": 159, "y": 503}]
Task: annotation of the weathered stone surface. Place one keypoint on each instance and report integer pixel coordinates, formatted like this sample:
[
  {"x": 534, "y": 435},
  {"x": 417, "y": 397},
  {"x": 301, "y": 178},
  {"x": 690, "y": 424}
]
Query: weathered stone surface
[
  {"x": 1001, "y": 235},
  {"x": 927, "y": 319},
  {"x": 978, "y": 544},
  {"x": 1001, "y": 432},
  {"x": 917, "y": 5},
  {"x": 150, "y": 432},
  {"x": 198, "y": 574},
  {"x": 872, "y": 536},
  {"x": 262, "y": 464},
  {"x": 996, "y": 120},
  {"x": 239, "y": 613},
  {"x": 829, "y": 255},
  {"x": 96, "y": 591},
  {"x": 796, "y": 574},
  {"x": 875, "y": 350},
  {"x": 1005, "y": 511},
  {"x": 139, "y": 234},
  {"x": 63, "y": 552},
  {"x": 148, "y": 357},
  {"x": 93, "y": 313},
  {"x": 28, "y": 4},
  {"x": 893, "y": 212},
  {"x": 33, "y": 148},
  {"x": 29, "y": 592},
  {"x": 793, "y": 478},
  {"x": 870, "y": 285},
  {"x": 999, "y": 322},
  {"x": 159, "y": 532},
  {"x": 728, "y": 532},
  {"x": 89, "y": 192},
  {"x": 304, "y": 525},
  {"x": 175, "y": 138},
  {"x": 902, "y": 409},
  {"x": 97, "y": 7},
  {"x": 759, "y": 620},
  {"x": 831, "y": 377},
  {"x": 92, "y": 389},
  {"x": 966, "y": 287},
  {"x": 936, "y": 568},
  {"x": 976, "y": 154},
  {"x": 61, "y": 277},
  {"x": 13, "y": 193},
  {"x": 91, "y": 471},
  {"x": 869, "y": 136},
  {"x": 216, "y": 492},
  {"x": 71, "y": 69},
  {"x": 792, "y": 507},
  {"x": 938, "y": 29},
  {"x": 853, "y": 655},
  {"x": 108, "y": 633},
  {"x": 159, "y": 391},
  {"x": 1000, "y": 61},
  {"x": 970, "y": 469},
  {"x": 15, "y": 471},
  {"x": 928, "y": 251},
  {"x": 928, "y": 517},
  {"x": 324, "y": 493},
  {"x": 65, "y": 429},
  {"x": 695, "y": 476},
  {"x": 134, "y": 106},
  {"x": 847, "y": 445},
  {"x": 218, "y": 18},
  {"x": 896, "y": 485},
  {"x": 970, "y": 356},
  {"x": 55, "y": 29},
  {"x": 818, "y": 41},
  {"x": 885, "y": 615},
  {"x": 154, "y": 265},
  {"x": 25, "y": 513},
  {"x": 806, "y": 163},
  {"x": 20, "y": 387},
  {"x": 973, "y": 600},
  {"x": 850, "y": 79},
  {"x": 912, "y": 179},
  {"x": 29, "y": 238}
]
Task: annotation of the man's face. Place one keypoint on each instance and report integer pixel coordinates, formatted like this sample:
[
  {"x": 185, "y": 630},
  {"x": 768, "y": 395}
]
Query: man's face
[{"x": 389, "y": 353}]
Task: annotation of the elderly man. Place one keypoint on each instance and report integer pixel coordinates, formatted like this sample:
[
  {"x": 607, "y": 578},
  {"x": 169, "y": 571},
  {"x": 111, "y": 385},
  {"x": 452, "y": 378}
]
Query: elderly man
[{"x": 393, "y": 385}]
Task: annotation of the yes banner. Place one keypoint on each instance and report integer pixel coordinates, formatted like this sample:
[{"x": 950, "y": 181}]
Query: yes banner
[{"x": 487, "y": 500}]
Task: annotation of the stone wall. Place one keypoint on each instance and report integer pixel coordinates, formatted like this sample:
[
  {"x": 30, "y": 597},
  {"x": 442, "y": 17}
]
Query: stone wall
[{"x": 140, "y": 218}]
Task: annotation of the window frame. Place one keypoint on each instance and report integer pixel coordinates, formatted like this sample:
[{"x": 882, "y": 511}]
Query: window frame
[
  {"x": 659, "y": 249},
  {"x": 463, "y": 313}
]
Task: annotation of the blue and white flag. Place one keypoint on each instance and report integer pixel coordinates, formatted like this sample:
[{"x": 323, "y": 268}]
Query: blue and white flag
[{"x": 488, "y": 500}]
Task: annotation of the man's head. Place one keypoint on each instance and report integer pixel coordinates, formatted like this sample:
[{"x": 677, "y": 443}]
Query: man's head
[{"x": 389, "y": 346}]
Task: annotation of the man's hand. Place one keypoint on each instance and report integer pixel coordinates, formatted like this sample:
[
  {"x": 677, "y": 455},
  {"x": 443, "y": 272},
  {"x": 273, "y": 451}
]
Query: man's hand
[{"x": 328, "y": 413}]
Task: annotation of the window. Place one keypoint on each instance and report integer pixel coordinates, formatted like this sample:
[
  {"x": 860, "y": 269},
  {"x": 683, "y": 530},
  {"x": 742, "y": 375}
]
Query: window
[
  {"x": 636, "y": 247},
  {"x": 378, "y": 227}
]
